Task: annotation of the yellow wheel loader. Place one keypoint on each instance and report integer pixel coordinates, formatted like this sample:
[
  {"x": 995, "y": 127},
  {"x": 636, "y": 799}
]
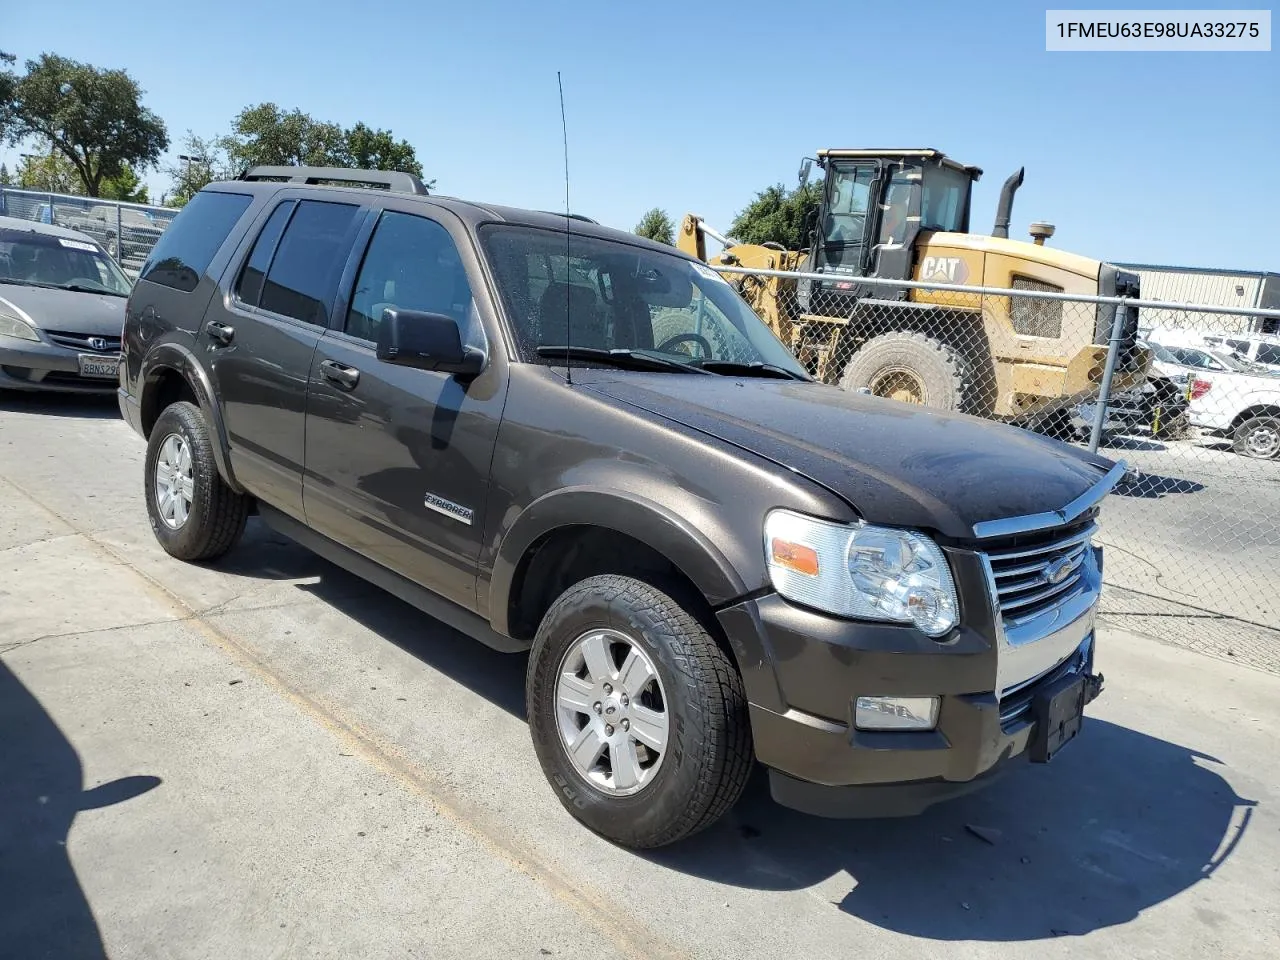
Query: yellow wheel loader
[{"x": 903, "y": 214}]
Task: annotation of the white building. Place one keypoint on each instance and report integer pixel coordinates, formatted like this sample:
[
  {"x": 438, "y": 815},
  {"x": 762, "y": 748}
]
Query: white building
[{"x": 1223, "y": 288}]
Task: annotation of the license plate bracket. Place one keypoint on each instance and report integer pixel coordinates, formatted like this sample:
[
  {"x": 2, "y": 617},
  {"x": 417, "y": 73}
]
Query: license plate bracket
[
  {"x": 1058, "y": 712},
  {"x": 97, "y": 366}
]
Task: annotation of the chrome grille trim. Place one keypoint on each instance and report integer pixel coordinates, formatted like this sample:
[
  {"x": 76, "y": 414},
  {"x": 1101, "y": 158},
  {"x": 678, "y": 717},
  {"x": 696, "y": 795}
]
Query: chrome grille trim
[
  {"x": 1024, "y": 589},
  {"x": 80, "y": 341},
  {"x": 1007, "y": 526}
]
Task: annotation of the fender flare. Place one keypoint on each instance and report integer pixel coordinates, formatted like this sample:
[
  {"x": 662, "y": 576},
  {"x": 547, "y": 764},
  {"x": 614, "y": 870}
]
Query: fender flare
[
  {"x": 668, "y": 533},
  {"x": 175, "y": 356}
]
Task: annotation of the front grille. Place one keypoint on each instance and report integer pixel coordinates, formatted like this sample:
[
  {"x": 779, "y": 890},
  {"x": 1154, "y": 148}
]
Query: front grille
[
  {"x": 1024, "y": 569},
  {"x": 1032, "y": 317},
  {"x": 81, "y": 341}
]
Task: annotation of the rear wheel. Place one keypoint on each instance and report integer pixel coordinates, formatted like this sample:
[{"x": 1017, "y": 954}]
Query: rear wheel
[
  {"x": 1258, "y": 437},
  {"x": 910, "y": 368},
  {"x": 638, "y": 717},
  {"x": 193, "y": 513}
]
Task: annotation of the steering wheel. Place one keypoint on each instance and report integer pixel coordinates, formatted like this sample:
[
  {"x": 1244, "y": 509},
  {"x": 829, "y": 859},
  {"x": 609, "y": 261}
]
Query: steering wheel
[{"x": 686, "y": 338}]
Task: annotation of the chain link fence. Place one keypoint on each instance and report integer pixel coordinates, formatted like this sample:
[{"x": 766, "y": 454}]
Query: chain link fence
[
  {"x": 1192, "y": 405},
  {"x": 127, "y": 231}
]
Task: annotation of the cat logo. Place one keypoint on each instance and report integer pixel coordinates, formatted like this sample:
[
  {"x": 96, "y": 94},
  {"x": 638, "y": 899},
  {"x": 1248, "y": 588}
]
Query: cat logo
[{"x": 944, "y": 270}]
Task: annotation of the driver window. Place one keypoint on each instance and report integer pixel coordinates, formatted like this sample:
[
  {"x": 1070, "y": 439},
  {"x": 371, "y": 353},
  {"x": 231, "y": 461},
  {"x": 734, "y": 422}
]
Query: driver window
[
  {"x": 847, "y": 208},
  {"x": 412, "y": 264}
]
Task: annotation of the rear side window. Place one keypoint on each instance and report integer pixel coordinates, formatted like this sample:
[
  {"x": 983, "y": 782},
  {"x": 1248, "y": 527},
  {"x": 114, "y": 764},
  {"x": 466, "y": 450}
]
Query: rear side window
[
  {"x": 186, "y": 249},
  {"x": 250, "y": 286},
  {"x": 304, "y": 271}
]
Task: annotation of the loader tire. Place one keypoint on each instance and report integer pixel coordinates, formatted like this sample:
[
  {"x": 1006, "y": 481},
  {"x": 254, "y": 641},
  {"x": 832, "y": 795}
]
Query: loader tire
[{"x": 912, "y": 368}]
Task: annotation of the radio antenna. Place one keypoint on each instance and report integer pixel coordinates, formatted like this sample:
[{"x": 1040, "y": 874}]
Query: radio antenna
[{"x": 564, "y": 129}]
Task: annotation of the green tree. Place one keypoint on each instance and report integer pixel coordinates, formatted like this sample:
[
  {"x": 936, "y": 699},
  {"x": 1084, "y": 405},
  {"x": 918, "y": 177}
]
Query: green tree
[
  {"x": 92, "y": 116},
  {"x": 5, "y": 178},
  {"x": 128, "y": 186},
  {"x": 206, "y": 162},
  {"x": 368, "y": 149},
  {"x": 50, "y": 171},
  {"x": 267, "y": 135},
  {"x": 778, "y": 216},
  {"x": 656, "y": 225}
]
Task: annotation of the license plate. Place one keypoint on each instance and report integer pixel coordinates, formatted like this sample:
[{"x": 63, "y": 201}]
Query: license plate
[
  {"x": 1059, "y": 713},
  {"x": 105, "y": 367}
]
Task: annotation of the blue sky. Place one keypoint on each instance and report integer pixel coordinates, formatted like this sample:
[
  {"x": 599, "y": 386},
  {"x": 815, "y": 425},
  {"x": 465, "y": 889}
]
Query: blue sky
[{"x": 1158, "y": 157}]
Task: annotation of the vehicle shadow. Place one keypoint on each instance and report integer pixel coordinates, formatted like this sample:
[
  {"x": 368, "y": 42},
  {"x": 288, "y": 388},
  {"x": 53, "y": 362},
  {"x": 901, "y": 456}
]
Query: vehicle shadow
[
  {"x": 498, "y": 677},
  {"x": 1131, "y": 443},
  {"x": 1153, "y": 486},
  {"x": 1118, "y": 823},
  {"x": 81, "y": 406},
  {"x": 44, "y": 911}
]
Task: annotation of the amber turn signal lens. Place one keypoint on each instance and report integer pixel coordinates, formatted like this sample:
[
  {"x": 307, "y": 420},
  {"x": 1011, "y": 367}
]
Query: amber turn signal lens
[{"x": 795, "y": 556}]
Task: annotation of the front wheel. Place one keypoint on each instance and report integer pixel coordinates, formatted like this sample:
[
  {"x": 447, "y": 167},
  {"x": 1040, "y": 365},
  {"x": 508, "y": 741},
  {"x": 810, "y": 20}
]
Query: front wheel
[
  {"x": 911, "y": 368},
  {"x": 1258, "y": 437},
  {"x": 638, "y": 717}
]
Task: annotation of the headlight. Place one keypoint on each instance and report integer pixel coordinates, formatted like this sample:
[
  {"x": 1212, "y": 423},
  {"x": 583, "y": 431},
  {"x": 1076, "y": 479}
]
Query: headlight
[
  {"x": 11, "y": 326},
  {"x": 861, "y": 571}
]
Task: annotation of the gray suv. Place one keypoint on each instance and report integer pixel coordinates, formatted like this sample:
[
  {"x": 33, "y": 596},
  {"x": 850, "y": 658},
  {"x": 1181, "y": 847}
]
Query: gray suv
[{"x": 560, "y": 438}]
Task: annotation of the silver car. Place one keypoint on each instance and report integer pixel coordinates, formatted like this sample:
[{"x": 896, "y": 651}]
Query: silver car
[{"x": 62, "y": 304}]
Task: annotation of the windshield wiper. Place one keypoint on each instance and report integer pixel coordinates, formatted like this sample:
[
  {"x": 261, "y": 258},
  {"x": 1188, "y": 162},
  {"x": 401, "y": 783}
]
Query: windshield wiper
[
  {"x": 755, "y": 368},
  {"x": 625, "y": 359},
  {"x": 81, "y": 288}
]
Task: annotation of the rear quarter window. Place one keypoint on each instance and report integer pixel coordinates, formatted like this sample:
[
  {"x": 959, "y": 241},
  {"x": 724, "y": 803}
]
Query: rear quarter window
[{"x": 186, "y": 249}]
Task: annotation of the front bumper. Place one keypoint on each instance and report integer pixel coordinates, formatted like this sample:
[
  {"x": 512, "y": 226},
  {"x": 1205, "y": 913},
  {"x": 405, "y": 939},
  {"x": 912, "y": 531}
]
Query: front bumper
[
  {"x": 821, "y": 764},
  {"x": 39, "y": 366}
]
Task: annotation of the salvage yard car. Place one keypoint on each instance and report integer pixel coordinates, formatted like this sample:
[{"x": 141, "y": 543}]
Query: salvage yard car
[
  {"x": 711, "y": 558},
  {"x": 62, "y": 303},
  {"x": 1230, "y": 397}
]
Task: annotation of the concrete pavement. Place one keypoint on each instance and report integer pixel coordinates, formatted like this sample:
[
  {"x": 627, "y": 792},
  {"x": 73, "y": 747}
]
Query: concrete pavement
[{"x": 268, "y": 758}]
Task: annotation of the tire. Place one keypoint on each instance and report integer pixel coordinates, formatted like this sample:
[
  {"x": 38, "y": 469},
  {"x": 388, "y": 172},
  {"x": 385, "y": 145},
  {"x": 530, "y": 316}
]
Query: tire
[
  {"x": 707, "y": 756},
  {"x": 910, "y": 367},
  {"x": 216, "y": 515},
  {"x": 1258, "y": 438}
]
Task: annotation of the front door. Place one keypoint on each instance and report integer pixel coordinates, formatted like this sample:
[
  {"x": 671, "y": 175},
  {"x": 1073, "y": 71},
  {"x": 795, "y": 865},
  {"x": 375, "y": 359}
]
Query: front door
[
  {"x": 263, "y": 336},
  {"x": 398, "y": 459}
]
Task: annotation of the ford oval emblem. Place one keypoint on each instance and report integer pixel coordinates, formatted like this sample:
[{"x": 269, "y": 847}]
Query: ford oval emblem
[{"x": 1057, "y": 570}]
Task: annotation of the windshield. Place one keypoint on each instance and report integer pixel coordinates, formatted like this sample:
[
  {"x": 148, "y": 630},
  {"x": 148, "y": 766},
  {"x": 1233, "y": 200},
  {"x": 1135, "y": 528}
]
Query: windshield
[
  {"x": 946, "y": 199},
  {"x": 46, "y": 260},
  {"x": 607, "y": 295}
]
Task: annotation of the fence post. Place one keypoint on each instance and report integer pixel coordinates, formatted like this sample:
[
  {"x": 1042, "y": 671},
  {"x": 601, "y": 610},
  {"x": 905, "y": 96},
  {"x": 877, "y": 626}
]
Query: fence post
[
  {"x": 119, "y": 238},
  {"x": 53, "y": 215},
  {"x": 1104, "y": 389}
]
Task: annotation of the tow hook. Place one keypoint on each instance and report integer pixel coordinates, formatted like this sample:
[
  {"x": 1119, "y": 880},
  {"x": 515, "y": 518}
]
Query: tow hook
[{"x": 1092, "y": 686}]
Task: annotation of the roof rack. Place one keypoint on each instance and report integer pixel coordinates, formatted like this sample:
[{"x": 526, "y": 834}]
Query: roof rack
[
  {"x": 392, "y": 180},
  {"x": 571, "y": 216}
]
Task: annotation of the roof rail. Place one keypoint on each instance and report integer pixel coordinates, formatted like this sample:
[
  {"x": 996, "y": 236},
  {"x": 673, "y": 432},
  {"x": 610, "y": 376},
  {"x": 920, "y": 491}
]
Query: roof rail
[
  {"x": 571, "y": 216},
  {"x": 392, "y": 180}
]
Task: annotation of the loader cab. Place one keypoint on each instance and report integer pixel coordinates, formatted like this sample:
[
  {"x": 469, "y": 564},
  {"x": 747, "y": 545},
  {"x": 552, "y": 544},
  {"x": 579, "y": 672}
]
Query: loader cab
[{"x": 875, "y": 203}]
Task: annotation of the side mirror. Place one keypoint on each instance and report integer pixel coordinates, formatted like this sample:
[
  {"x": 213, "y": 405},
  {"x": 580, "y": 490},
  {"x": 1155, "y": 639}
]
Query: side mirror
[{"x": 426, "y": 341}]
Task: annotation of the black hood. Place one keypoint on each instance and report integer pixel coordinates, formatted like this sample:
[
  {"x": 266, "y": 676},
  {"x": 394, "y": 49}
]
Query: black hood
[{"x": 894, "y": 463}]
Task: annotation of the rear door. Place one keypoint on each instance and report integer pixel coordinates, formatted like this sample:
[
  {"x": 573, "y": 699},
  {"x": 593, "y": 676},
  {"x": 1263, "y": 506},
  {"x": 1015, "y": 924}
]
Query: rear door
[
  {"x": 263, "y": 332},
  {"x": 398, "y": 460}
]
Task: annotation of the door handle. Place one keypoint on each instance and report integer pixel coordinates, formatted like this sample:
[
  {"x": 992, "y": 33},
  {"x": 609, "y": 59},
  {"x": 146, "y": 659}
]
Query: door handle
[
  {"x": 345, "y": 377},
  {"x": 220, "y": 331}
]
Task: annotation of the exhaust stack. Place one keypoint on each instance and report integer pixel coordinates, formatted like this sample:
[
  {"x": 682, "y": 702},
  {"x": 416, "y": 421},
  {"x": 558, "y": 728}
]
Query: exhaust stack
[{"x": 1005, "y": 209}]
